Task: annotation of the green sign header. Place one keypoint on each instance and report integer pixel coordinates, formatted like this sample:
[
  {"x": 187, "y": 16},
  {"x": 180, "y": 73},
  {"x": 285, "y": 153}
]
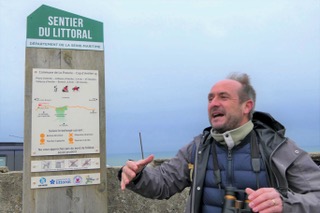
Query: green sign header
[{"x": 49, "y": 27}]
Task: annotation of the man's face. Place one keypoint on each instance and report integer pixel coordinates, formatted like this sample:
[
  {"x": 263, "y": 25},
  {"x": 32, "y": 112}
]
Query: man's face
[{"x": 224, "y": 108}]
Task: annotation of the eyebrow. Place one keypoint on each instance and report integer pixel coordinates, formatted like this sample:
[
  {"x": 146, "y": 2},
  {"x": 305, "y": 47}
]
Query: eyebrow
[{"x": 219, "y": 94}]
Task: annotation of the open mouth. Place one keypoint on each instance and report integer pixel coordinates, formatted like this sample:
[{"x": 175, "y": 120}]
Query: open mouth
[{"x": 217, "y": 114}]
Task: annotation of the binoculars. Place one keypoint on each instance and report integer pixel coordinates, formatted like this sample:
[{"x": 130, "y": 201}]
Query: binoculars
[{"x": 235, "y": 201}]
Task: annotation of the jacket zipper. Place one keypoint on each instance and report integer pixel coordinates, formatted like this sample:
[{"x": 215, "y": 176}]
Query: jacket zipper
[
  {"x": 229, "y": 167},
  {"x": 194, "y": 186}
]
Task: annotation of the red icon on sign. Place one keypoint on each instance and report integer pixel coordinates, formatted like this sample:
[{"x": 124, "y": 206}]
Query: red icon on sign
[{"x": 65, "y": 89}]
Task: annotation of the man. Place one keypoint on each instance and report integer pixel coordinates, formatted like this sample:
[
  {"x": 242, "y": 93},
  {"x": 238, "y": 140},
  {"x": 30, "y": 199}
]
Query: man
[{"x": 243, "y": 153}]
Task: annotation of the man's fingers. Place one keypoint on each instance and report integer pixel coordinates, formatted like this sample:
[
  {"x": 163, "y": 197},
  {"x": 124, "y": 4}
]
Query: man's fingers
[
  {"x": 264, "y": 200},
  {"x": 137, "y": 166},
  {"x": 262, "y": 193},
  {"x": 249, "y": 191},
  {"x": 131, "y": 169},
  {"x": 145, "y": 161},
  {"x": 123, "y": 184},
  {"x": 126, "y": 176}
]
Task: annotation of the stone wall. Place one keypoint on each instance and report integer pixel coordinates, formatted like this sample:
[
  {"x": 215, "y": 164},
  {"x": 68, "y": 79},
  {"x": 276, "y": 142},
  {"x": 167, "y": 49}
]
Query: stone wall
[
  {"x": 126, "y": 201},
  {"x": 11, "y": 192},
  {"x": 118, "y": 201}
]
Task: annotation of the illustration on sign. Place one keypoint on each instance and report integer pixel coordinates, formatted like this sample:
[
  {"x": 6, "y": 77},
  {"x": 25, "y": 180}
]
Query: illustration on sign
[
  {"x": 65, "y": 164},
  {"x": 65, "y": 112}
]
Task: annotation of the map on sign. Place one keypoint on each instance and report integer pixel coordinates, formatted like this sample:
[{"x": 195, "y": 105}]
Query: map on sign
[
  {"x": 45, "y": 108},
  {"x": 65, "y": 112}
]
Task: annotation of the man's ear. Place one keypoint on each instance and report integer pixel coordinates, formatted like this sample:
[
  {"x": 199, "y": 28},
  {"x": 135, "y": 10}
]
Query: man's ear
[{"x": 248, "y": 106}]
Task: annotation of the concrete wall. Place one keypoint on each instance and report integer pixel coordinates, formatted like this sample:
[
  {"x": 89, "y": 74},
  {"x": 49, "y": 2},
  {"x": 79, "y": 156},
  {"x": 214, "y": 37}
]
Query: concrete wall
[
  {"x": 118, "y": 201},
  {"x": 11, "y": 192},
  {"x": 126, "y": 201}
]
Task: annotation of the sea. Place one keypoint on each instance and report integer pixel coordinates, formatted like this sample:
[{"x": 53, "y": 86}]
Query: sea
[{"x": 120, "y": 159}]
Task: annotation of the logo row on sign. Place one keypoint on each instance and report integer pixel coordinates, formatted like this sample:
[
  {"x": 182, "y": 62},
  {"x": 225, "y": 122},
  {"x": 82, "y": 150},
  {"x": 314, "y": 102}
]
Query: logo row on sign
[{"x": 65, "y": 180}]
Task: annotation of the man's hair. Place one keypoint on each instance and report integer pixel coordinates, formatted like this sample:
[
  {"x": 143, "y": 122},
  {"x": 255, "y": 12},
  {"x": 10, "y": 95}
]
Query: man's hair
[{"x": 247, "y": 92}]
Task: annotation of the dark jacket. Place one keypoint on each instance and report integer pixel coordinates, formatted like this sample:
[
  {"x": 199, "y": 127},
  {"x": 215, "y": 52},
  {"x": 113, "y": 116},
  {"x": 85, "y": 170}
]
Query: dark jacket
[
  {"x": 234, "y": 169},
  {"x": 291, "y": 170}
]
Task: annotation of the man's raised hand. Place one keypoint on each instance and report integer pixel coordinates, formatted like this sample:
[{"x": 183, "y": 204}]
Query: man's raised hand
[{"x": 132, "y": 168}]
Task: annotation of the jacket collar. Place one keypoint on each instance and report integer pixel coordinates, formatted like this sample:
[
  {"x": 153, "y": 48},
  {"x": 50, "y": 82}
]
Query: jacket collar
[{"x": 233, "y": 137}]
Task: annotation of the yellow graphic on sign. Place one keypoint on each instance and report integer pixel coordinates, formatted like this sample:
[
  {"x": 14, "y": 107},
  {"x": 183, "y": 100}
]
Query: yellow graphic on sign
[{"x": 42, "y": 138}]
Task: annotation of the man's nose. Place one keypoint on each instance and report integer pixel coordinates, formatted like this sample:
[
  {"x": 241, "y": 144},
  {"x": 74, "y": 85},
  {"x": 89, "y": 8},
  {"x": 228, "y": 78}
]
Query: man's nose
[{"x": 213, "y": 102}]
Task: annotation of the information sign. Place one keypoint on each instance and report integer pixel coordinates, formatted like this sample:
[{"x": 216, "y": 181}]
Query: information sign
[{"x": 65, "y": 112}]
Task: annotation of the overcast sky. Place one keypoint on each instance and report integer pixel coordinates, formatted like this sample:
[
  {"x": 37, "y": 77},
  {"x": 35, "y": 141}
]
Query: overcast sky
[{"x": 162, "y": 57}]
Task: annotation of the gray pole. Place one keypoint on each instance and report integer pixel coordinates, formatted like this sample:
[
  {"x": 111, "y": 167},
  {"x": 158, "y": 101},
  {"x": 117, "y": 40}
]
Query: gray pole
[{"x": 140, "y": 138}]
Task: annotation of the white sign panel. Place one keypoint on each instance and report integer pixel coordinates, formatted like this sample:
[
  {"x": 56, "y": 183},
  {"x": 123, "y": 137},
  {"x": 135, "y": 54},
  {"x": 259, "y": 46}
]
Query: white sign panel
[
  {"x": 65, "y": 164},
  {"x": 65, "y": 112},
  {"x": 65, "y": 180}
]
